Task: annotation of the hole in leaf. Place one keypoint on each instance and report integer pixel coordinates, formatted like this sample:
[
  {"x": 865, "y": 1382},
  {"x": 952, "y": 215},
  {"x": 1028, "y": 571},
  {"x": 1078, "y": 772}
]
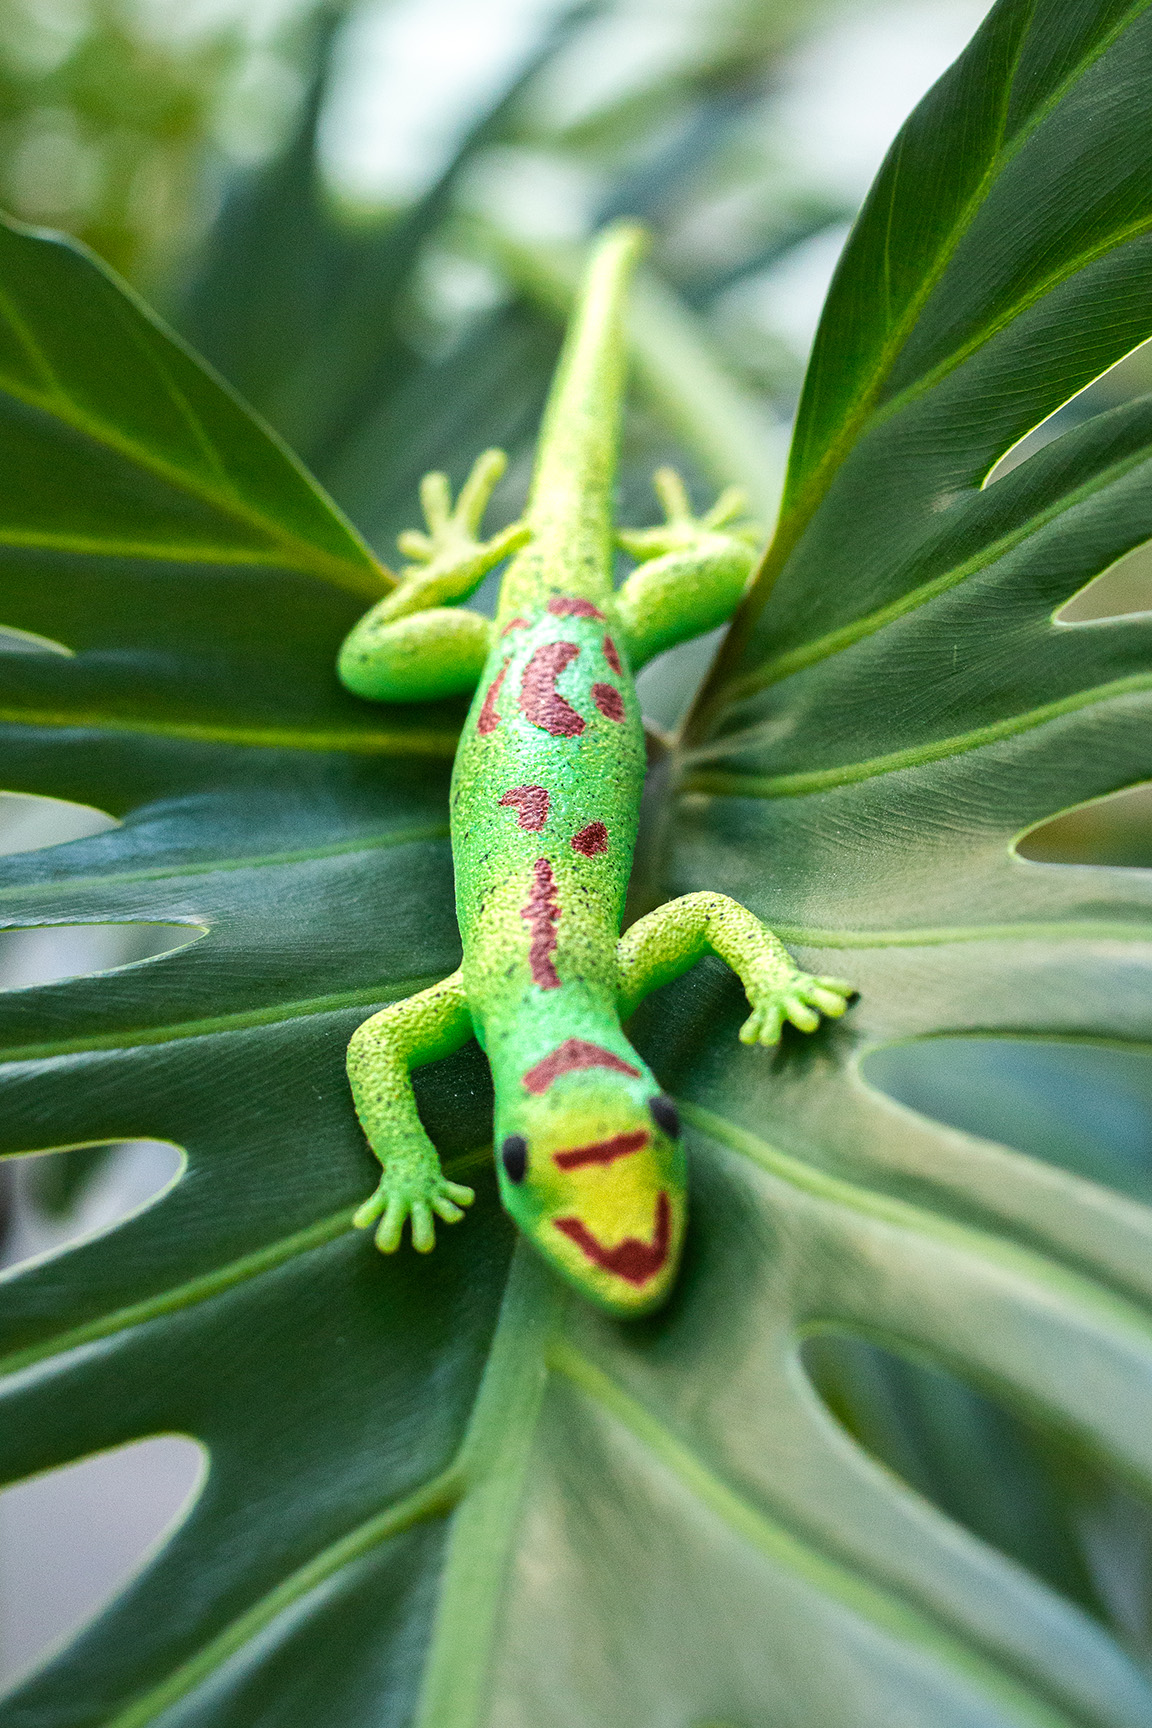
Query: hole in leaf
[
  {"x": 1020, "y": 1488},
  {"x": 1086, "y": 1108},
  {"x": 1125, "y": 587},
  {"x": 13, "y": 641},
  {"x": 1112, "y": 830},
  {"x": 29, "y": 822},
  {"x": 49, "y": 953},
  {"x": 1130, "y": 376},
  {"x": 57, "y": 1199},
  {"x": 73, "y": 1537}
]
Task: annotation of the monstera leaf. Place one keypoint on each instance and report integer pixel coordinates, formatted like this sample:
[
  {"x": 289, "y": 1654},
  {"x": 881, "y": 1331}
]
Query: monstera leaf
[{"x": 443, "y": 1491}]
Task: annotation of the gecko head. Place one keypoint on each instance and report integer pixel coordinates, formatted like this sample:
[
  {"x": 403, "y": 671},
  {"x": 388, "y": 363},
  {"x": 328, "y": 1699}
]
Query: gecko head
[{"x": 592, "y": 1170}]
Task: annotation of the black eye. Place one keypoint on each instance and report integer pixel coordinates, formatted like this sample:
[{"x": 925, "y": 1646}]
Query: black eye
[
  {"x": 665, "y": 1115},
  {"x": 514, "y": 1152}
]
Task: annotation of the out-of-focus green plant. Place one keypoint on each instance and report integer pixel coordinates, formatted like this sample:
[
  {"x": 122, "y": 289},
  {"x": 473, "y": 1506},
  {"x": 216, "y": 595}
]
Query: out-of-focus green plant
[{"x": 109, "y": 114}]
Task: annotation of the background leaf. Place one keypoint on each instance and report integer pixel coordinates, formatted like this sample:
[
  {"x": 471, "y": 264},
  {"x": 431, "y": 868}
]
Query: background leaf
[{"x": 862, "y": 1469}]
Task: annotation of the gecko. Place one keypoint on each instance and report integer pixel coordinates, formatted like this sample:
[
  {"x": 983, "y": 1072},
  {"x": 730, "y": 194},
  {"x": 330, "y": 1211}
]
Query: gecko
[{"x": 545, "y": 800}]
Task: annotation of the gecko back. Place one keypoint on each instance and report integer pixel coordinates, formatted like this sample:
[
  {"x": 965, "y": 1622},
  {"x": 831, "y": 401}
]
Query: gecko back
[
  {"x": 545, "y": 798},
  {"x": 545, "y": 805}
]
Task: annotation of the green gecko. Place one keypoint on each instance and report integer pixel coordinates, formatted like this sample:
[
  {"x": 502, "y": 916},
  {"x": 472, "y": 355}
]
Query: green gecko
[{"x": 545, "y": 804}]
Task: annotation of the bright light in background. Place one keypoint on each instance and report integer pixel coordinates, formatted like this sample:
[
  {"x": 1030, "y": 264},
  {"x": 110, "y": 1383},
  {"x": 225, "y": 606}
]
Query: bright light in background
[
  {"x": 784, "y": 302},
  {"x": 408, "y": 77},
  {"x": 845, "y": 95},
  {"x": 71, "y": 1538},
  {"x": 850, "y": 88}
]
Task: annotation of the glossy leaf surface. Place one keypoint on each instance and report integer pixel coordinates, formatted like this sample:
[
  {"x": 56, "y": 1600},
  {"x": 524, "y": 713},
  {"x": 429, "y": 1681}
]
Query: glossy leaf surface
[{"x": 441, "y": 1491}]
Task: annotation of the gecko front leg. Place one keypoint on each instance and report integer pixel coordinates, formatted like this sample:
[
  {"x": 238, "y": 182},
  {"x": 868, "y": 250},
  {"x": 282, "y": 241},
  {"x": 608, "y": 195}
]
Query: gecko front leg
[
  {"x": 381, "y": 1055},
  {"x": 672, "y": 939},
  {"x": 415, "y": 645},
  {"x": 693, "y": 570}
]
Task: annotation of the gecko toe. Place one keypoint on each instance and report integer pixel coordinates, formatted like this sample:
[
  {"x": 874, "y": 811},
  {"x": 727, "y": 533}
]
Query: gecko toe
[
  {"x": 391, "y": 1226},
  {"x": 423, "y": 1229}
]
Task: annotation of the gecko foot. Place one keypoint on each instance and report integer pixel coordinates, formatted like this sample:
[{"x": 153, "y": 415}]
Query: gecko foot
[
  {"x": 802, "y": 1000},
  {"x": 414, "y": 1195}
]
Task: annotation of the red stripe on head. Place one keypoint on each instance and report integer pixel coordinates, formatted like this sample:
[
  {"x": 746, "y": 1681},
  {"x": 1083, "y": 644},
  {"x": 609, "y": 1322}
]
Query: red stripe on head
[
  {"x": 514, "y": 624},
  {"x": 568, "y": 606},
  {"x": 612, "y": 654},
  {"x": 631, "y": 1259},
  {"x": 602, "y": 1151},
  {"x": 540, "y": 701},
  {"x": 541, "y": 913},
  {"x": 591, "y": 840},
  {"x": 487, "y": 720},
  {"x": 609, "y": 701},
  {"x": 531, "y": 804},
  {"x": 574, "y": 1053}
]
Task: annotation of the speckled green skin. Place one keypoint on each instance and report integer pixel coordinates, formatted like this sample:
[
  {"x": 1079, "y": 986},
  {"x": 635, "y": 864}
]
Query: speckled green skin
[{"x": 545, "y": 802}]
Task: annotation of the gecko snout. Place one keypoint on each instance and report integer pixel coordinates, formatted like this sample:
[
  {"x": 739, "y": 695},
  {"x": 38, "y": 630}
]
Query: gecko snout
[{"x": 593, "y": 1171}]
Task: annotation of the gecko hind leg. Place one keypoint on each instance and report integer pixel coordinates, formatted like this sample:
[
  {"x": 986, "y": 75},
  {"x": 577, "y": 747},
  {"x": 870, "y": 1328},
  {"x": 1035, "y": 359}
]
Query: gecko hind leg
[
  {"x": 675, "y": 936},
  {"x": 416, "y": 644},
  {"x": 692, "y": 571},
  {"x": 440, "y": 652},
  {"x": 381, "y": 1055}
]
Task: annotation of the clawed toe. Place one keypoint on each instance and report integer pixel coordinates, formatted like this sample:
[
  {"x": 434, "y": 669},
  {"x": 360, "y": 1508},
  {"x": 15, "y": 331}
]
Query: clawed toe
[
  {"x": 802, "y": 1002},
  {"x": 393, "y": 1209}
]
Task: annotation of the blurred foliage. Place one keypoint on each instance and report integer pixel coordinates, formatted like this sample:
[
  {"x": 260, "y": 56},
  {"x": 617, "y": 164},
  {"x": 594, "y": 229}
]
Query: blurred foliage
[{"x": 111, "y": 112}]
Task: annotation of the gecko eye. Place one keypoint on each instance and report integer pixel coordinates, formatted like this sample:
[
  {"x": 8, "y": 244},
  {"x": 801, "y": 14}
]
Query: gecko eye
[
  {"x": 514, "y": 1152},
  {"x": 665, "y": 1115}
]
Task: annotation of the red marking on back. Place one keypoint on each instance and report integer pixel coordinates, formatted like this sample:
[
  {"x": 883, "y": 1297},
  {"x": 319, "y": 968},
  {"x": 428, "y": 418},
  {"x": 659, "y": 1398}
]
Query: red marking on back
[
  {"x": 601, "y": 1151},
  {"x": 631, "y": 1259},
  {"x": 572, "y": 1054},
  {"x": 612, "y": 654},
  {"x": 609, "y": 701},
  {"x": 542, "y": 914},
  {"x": 541, "y": 702},
  {"x": 514, "y": 624},
  {"x": 531, "y": 804},
  {"x": 591, "y": 840},
  {"x": 487, "y": 720},
  {"x": 567, "y": 606}
]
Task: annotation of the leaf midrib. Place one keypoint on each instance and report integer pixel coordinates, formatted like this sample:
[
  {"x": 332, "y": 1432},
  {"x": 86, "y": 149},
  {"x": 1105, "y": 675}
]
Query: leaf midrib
[
  {"x": 434, "y": 1499},
  {"x": 193, "y": 1290},
  {"x": 354, "y": 741},
  {"x": 211, "y": 1025},
  {"x": 165, "y": 872},
  {"x": 805, "y": 782},
  {"x": 804, "y": 1552},
  {"x": 365, "y": 578},
  {"x": 835, "y": 641}
]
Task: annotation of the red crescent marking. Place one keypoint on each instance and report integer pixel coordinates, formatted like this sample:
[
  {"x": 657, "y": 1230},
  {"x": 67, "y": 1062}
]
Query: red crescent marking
[
  {"x": 487, "y": 720},
  {"x": 601, "y": 1151},
  {"x": 540, "y": 701},
  {"x": 609, "y": 701},
  {"x": 574, "y": 1053},
  {"x": 591, "y": 840},
  {"x": 514, "y": 624},
  {"x": 567, "y": 606},
  {"x": 612, "y": 654},
  {"x": 531, "y": 804},
  {"x": 541, "y": 914},
  {"x": 631, "y": 1259}
]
